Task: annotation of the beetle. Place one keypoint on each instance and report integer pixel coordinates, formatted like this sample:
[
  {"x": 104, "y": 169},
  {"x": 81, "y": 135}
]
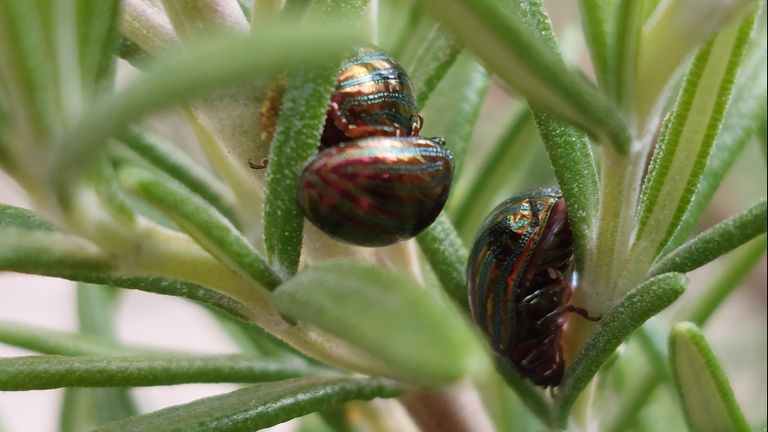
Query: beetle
[
  {"x": 373, "y": 97},
  {"x": 376, "y": 191},
  {"x": 520, "y": 278}
]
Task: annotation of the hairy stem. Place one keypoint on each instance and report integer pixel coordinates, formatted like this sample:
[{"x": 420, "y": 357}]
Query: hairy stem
[{"x": 620, "y": 189}]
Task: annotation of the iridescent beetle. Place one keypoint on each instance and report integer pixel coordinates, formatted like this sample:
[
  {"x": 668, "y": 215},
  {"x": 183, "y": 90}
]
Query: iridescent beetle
[
  {"x": 376, "y": 191},
  {"x": 520, "y": 279},
  {"x": 373, "y": 97}
]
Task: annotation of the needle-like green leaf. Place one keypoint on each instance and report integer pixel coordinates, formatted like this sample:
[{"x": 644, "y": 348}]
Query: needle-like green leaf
[
  {"x": 671, "y": 34},
  {"x": 97, "y": 39},
  {"x": 258, "y": 406},
  {"x": 58, "y": 343},
  {"x": 745, "y": 111},
  {"x": 434, "y": 58},
  {"x": 201, "y": 221},
  {"x": 716, "y": 241},
  {"x": 96, "y": 311},
  {"x": 452, "y": 109},
  {"x": 598, "y": 20},
  {"x": 707, "y": 397},
  {"x": 735, "y": 269},
  {"x": 296, "y": 140},
  {"x": 418, "y": 336},
  {"x": 171, "y": 160},
  {"x": 447, "y": 255},
  {"x": 297, "y": 137},
  {"x": 633, "y": 310},
  {"x": 25, "y": 65},
  {"x": 29, "y": 245},
  {"x": 569, "y": 150},
  {"x": 683, "y": 150},
  {"x": 53, "y": 371},
  {"x": 193, "y": 72},
  {"x": 18, "y": 217},
  {"x": 501, "y": 39}
]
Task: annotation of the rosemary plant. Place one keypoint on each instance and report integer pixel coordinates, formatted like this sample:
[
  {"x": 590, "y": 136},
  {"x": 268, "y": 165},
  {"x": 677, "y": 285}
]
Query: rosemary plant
[{"x": 638, "y": 152}]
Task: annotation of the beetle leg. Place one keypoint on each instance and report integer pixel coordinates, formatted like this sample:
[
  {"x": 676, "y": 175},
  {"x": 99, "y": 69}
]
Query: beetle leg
[
  {"x": 259, "y": 166},
  {"x": 580, "y": 311},
  {"x": 417, "y": 122},
  {"x": 338, "y": 116}
]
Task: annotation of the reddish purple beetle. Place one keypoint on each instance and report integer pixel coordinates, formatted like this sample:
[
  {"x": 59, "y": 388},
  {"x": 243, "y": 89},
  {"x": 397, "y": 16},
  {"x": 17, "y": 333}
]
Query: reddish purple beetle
[
  {"x": 373, "y": 97},
  {"x": 376, "y": 191},
  {"x": 520, "y": 279}
]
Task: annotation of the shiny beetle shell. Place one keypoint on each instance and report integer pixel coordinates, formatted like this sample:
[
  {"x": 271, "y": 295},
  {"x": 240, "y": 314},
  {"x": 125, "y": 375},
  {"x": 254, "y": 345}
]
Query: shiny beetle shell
[
  {"x": 373, "y": 97},
  {"x": 376, "y": 191},
  {"x": 520, "y": 281}
]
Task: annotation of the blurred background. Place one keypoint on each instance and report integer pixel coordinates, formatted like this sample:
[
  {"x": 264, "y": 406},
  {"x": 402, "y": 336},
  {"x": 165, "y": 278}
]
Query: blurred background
[{"x": 737, "y": 332}]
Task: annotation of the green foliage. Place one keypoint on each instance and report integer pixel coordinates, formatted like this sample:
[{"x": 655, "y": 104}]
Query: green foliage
[
  {"x": 47, "y": 372},
  {"x": 707, "y": 397},
  {"x": 121, "y": 207},
  {"x": 417, "y": 336},
  {"x": 635, "y": 308},
  {"x": 301, "y": 121},
  {"x": 258, "y": 406}
]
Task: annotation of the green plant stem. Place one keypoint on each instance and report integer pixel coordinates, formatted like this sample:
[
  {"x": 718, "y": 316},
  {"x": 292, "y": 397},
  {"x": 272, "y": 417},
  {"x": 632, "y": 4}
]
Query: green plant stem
[
  {"x": 31, "y": 246},
  {"x": 447, "y": 409},
  {"x": 620, "y": 188},
  {"x": 146, "y": 25},
  {"x": 170, "y": 254},
  {"x": 47, "y": 372},
  {"x": 189, "y": 19}
]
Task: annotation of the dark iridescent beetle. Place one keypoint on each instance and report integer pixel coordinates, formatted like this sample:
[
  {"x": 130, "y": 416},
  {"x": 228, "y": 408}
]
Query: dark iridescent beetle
[
  {"x": 373, "y": 97},
  {"x": 520, "y": 279},
  {"x": 376, "y": 191}
]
